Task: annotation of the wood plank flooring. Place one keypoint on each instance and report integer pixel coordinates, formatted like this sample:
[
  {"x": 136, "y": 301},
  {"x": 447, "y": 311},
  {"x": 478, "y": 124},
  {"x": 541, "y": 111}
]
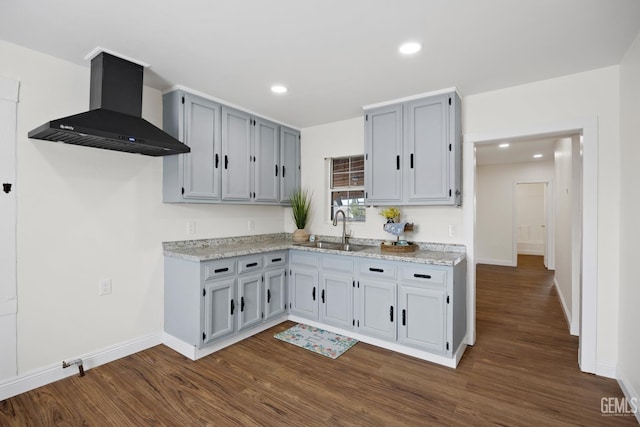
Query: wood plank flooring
[{"x": 522, "y": 371}]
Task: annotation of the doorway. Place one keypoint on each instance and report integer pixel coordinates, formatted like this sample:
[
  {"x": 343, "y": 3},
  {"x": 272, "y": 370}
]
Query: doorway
[
  {"x": 532, "y": 221},
  {"x": 8, "y": 294},
  {"x": 587, "y": 297}
]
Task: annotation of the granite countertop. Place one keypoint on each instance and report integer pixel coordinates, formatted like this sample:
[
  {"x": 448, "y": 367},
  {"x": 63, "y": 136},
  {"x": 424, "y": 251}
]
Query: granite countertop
[{"x": 211, "y": 249}]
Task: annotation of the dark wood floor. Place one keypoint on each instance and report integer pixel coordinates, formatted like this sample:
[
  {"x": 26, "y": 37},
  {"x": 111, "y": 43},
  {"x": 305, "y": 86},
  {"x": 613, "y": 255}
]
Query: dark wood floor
[{"x": 522, "y": 371}]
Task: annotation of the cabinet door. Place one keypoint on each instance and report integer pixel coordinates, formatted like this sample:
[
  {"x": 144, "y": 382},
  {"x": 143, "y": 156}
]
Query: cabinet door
[
  {"x": 289, "y": 163},
  {"x": 336, "y": 300},
  {"x": 377, "y": 309},
  {"x": 304, "y": 292},
  {"x": 236, "y": 149},
  {"x": 275, "y": 293},
  {"x": 202, "y": 134},
  {"x": 422, "y": 318},
  {"x": 266, "y": 137},
  {"x": 250, "y": 301},
  {"x": 427, "y": 149},
  {"x": 219, "y": 310},
  {"x": 383, "y": 154}
]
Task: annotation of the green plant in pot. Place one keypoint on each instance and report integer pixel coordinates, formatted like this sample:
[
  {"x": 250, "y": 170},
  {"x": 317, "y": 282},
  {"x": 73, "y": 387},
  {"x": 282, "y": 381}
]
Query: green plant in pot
[{"x": 300, "y": 212}]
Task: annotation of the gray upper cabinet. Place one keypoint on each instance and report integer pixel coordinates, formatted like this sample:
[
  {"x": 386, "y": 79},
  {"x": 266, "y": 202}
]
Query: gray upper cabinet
[
  {"x": 289, "y": 163},
  {"x": 413, "y": 152},
  {"x": 383, "y": 155},
  {"x": 236, "y": 155},
  {"x": 195, "y": 121},
  {"x": 266, "y": 159}
]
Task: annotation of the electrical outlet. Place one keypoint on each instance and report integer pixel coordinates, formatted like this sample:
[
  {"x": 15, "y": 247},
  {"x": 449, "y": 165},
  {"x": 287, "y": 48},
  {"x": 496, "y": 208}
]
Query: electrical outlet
[
  {"x": 191, "y": 227},
  {"x": 251, "y": 225},
  {"x": 452, "y": 230},
  {"x": 104, "y": 287}
]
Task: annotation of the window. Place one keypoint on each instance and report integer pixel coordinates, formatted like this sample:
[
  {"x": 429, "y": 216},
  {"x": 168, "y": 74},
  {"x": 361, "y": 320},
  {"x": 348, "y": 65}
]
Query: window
[{"x": 347, "y": 187}]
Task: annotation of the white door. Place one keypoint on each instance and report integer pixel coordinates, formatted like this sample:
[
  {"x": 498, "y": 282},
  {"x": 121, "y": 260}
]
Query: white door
[{"x": 8, "y": 294}]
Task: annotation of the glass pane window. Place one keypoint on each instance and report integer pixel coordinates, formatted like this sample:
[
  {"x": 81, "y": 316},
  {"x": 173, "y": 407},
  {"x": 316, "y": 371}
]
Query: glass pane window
[{"x": 347, "y": 187}]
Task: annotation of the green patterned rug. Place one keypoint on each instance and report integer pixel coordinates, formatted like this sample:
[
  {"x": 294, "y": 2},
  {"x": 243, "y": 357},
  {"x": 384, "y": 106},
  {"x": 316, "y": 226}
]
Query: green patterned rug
[{"x": 317, "y": 340}]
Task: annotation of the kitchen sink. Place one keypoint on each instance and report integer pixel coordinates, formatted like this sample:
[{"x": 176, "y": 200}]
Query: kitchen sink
[{"x": 347, "y": 247}]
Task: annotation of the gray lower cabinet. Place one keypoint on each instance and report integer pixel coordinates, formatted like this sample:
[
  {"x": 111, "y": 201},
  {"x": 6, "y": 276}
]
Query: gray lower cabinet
[
  {"x": 422, "y": 318},
  {"x": 413, "y": 152},
  {"x": 322, "y": 287},
  {"x": 208, "y": 301},
  {"x": 377, "y": 291}
]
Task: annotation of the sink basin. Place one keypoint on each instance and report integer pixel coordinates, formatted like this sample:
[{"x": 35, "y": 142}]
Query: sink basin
[{"x": 348, "y": 247}]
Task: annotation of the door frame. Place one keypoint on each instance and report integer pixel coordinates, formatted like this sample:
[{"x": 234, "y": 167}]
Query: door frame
[
  {"x": 588, "y": 128},
  {"x": 549, "y": 226},
  {"x": 9, "y": 90}
]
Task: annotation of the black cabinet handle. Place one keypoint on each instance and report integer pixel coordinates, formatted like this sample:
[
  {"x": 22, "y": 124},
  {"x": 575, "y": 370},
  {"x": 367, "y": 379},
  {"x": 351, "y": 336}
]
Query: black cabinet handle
[
  {"x": 233, "y": 307},
  {"x": 276, "y": 260},
  {"x": 422, "y": 276},
  {"x": 217, "y": 160},
  {"x": 252, "y": 264},
  {"x": 226, "y": 161},
  {"x": 242, "y": 304},
  {"x": 283, "y": 171},
  {"x": 313, "y": 293},
  {"x": 221, "y": 270},
  {"x": 276, "y": 170},
  {"x": 376, "y": 270},
  {"x": 411, "y": 160},
  {"x": 322, "y": 296},
  {"x": 404, "y": 317},
  {"x": 398, "y": 162},
  {"x": 391, "y": 313},
  {"x": 268, "y": 296}
]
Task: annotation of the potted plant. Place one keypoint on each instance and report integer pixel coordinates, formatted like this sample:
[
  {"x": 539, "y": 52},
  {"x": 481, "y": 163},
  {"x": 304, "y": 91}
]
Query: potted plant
[{"x": 300, "y": 212}]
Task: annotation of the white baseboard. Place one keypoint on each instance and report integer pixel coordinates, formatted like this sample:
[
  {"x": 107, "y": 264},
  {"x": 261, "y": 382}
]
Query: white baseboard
[
  {"x": 629, "y": 391},
  {"x": 565, "y": 308},
  {"x": 502, "y": 262},
  {"x": 606, "y": 369},
  {"x": 530, "y": 252},
  {"x": 37, "y": 378}
]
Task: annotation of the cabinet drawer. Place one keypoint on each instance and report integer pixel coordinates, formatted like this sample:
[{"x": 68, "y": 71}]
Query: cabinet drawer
[
  {"x": 248, "y": 264},
  {"x": 307, "y": 259},
  {"x": 343, "y": 264},
  {"x": 420, "y": 274},
  {"x": 222, "y": 268},
  {"x": 378, "y": 269},
  {"x": 275, "y": 259}
]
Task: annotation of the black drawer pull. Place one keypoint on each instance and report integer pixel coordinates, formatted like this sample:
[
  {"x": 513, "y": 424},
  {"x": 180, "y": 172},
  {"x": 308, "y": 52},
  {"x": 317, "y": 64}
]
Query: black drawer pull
[
  {"x": 276, "y": 260},
  {"x": 397, "y": 162},
  {"x": 404, "y": 317},
  {"x": 376, "y": 270},
  {"x": 391, "y": 313},
  {"x": 283, "y": 171},
  {"x": 322, "y": 296},
  {"x": 313, "y": 293},
  {"x": 221, "y": 270},
  {"x": 268, "y": 296},
  {"x": 241, "y": 303},
  {"x": 226, "y": 161},
  {"x": 233, "y": 306},
  {"x": 252, "y": 264},
  {"x": 411, "y": 157},
  {"x": 276, "y": 170},
  {"x": 422, "y": 276},
  {"x": 217, "y": 160}
]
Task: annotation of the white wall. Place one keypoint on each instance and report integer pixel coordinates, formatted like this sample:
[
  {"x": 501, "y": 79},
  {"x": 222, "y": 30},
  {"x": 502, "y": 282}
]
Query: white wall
[
  {"x": 563, "y": 219},
  {"x": 494, "y": 207},
  {"x": 347, "y": 138},
  {"x": 629, "y": 338},
  {"x": 577, "y": 97},
  {"x": 86, "y": 214}
]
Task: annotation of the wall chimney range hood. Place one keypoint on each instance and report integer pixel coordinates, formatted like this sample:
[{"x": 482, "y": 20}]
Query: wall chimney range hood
[{"x": 114, "y": 120}]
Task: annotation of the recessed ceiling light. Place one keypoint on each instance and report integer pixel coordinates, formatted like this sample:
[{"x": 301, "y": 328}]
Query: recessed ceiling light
[
  {"x": 537, "y": 156},
  {"x": 505, "y": 145},
  {"x": 410, "y": 48},
  {"x": 278, "y": 89}
]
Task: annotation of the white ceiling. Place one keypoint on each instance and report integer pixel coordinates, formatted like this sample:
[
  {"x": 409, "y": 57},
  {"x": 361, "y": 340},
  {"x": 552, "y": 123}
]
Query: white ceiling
[
  {"x": 520, "y": 151},
  {"x": 334, "y": 55}
]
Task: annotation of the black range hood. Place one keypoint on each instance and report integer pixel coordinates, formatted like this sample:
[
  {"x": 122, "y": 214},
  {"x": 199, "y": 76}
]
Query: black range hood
[{"x": 114, "y": 120}]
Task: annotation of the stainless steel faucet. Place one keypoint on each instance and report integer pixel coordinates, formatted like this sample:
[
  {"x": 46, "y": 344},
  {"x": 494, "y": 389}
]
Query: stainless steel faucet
[{"x": 345, "y": 236}]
